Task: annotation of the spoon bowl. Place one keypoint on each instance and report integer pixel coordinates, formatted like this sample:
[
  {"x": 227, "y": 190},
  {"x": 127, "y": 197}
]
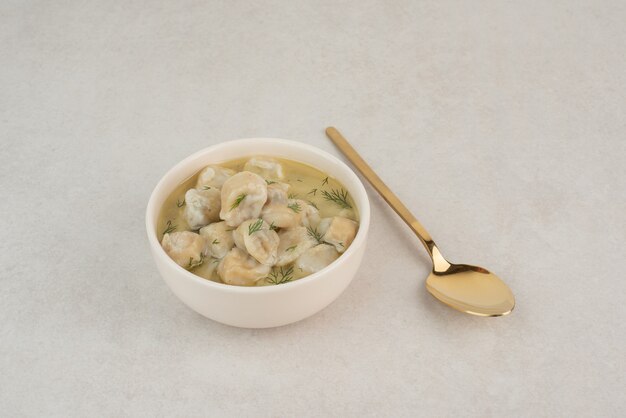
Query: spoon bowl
[{"x": 471, "y": 289}]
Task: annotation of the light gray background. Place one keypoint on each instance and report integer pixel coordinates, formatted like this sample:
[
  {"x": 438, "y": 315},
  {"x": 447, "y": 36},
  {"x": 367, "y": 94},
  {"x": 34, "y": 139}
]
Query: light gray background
[{"x": 502, "y": 124}]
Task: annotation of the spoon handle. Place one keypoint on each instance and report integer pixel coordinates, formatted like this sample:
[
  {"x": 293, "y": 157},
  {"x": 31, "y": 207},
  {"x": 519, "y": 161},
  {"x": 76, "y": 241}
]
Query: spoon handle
[{"x": 389, "y": 196}]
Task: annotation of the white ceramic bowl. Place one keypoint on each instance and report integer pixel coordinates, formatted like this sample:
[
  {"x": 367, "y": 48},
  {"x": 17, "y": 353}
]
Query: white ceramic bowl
[{"x": 267, "y": 306}]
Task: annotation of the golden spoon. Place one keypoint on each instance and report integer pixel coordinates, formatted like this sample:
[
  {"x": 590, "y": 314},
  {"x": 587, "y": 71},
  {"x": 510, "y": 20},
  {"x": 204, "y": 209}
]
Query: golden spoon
[{"x": 469, "y": 289}]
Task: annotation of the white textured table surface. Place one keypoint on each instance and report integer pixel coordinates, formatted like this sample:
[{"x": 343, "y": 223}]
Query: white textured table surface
[{"x": 501, "y": 124}]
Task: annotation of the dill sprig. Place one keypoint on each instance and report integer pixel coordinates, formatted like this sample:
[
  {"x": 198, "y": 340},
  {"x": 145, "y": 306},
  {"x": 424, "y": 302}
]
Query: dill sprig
[
  {"x": 238, "y": 201},
  {"x": 293, "y": 247},
  {"x": 292, "y": 196},
  {"x": 206, "y": 187},
  {"x": 215, "y": 242},
  {"x": 273, "y": 227},
  {"x": 325, "y": 181},
  {"x": 193, "y": 263},
  {"x": 339, "y": 196},
  {"x": 180, "y": 204},
  {"x": 313, "y": 192},
  {"x": 256, "y": 226},
  {"x": 280, "y": 276},
  {"x": 295, "y": 206},
  {"x": 169, "y": 228},
  {"x": 269, "y": 182},
  {"x": 315, "y": 234},
  {"x": 312, "y": 204}
]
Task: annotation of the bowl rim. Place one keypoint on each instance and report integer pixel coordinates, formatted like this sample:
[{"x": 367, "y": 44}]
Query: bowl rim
[{"x": 359, "y": 240}]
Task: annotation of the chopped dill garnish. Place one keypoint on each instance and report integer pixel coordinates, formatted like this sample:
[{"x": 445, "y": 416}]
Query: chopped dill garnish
[
  {"x": 312, "y": 204},
  {"x": 339, "y": 196},
  {"x": 193, "y": 263},
  {"x": 315, "y": 234},
  {"x": 273, "y": 227},
  {"x": 299, "y": 180},
  {"x": 292, "y": 196},
  {"x": 280, "y": 276},
  {"x": 180, "y": 204},
  {"x": 293, "y": 247},
  {"x": 269, "y": 182},
  {"x": 325, "y": 181},
  {"x": 170, "y": 228},
  {"x": 215, "y": 242},
  {"x": 217, "y": 260},
  {"x": 206, "y": 187},
  {"x": 295, "y": 206},
  {"x": 237, "y": 201},
  {"x": 313, "y": 192},
  {"x": 256, "y": 226}
]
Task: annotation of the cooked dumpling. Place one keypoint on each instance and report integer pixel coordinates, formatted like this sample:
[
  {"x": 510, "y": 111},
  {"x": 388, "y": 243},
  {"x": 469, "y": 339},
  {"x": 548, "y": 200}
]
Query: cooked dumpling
[
  {"x": 265, "y": 167},
  {"x": 258, "y": 240},
  {"x": 240, "y": 269},
  {"x": 219, "y": 239},
  {"x": 316, "y": 258},
  {"x": 309, "y": 215},
  {"x": 293, "y": 243},
  {"x": 277, "y": 193},
  {"x": 186, "y": 248},
  {"x": 280, "y": 216},
  {"x": 202, "y": 207},
  {"x": 338, "y": 231},
  {"x": 213, "y": 176},
  {"x": 243, "y": 197}
]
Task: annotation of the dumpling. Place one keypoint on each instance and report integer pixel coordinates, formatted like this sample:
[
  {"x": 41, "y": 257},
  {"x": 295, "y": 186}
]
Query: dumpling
[
  {"x": 280, "y": 216},
  {"x": 243, "y": 197},
  {"x": 338, "y": 231},
  {"x": 202, "y": 207},
  {"x": 219, "y": 239},
  {"x": 258, "y": 240},
  {"x": 240, "y": 269},
  {"x": 213, "y": 176},
  {"x": 186, "y": 248},
  {"x": 265, "y": 167},
  {"x": 276, "y": 212},
  {"x": 316, "y": 258},
  {"x": 309, "y": 215},
  {"x": 293, "y": 243},
  {"x": 277, "y": 193}
]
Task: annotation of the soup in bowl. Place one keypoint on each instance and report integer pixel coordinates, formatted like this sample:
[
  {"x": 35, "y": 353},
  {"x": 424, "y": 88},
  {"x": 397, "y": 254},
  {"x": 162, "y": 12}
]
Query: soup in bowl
[{"x": 258, "y": 232}]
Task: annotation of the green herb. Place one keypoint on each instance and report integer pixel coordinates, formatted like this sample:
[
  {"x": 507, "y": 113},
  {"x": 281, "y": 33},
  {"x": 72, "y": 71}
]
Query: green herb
[
  {"x": 170, "y": 228},
  {"x": 180, "y": 204},
  {"x": 340, "y": 244},
  {"x": 215, "y": 242},
  {"x": 256, "y": 226},
  {"x": 315, "y": 234},
  {"x": 299, "y": 180},
  {"x": 273, "y": 227},
  {"x": 339, "y": 196},
  {"x": 217, "y": 260},
  {"x": 325, "y": 181},
  {"x": 193, "y": 263},
  {"x": 237, "y": 201},
  {"x": 280, "y": 276},
  {"x": 206, "y": 187},
  {"x": 293, "y": 247},
  {"x": 292, "y": 196},
  {"x": 312, "y": 204},
  {"x": 295, "y": 206},
  {"x": 269, "y": 182},
  {"x": 313, "y": 192}
]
